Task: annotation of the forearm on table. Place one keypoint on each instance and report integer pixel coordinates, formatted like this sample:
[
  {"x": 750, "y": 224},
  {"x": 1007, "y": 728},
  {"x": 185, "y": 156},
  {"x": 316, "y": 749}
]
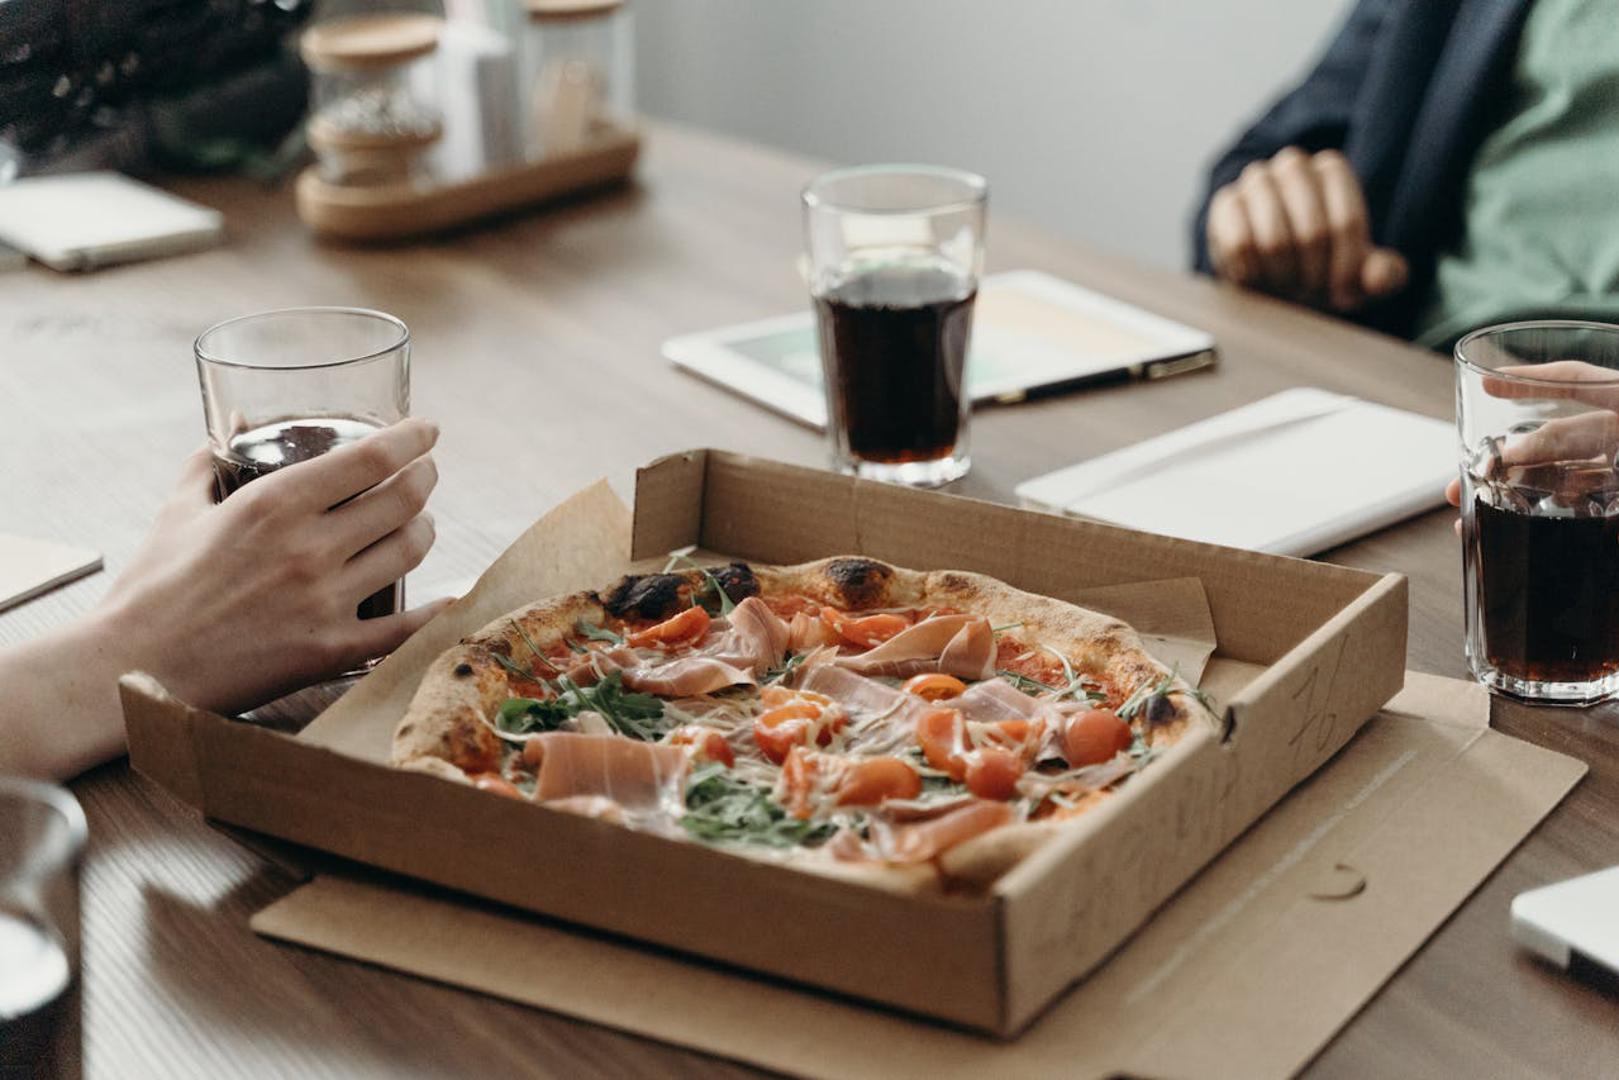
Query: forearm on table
[{"x": 59, "y": 707}]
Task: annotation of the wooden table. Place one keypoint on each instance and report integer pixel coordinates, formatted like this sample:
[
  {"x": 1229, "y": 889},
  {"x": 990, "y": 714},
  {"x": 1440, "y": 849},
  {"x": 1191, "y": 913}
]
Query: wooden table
[{"x": 536, "y": 346}]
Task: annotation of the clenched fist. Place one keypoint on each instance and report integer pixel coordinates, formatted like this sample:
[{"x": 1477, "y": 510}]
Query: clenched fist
[{"x": 1297, "y": 226}]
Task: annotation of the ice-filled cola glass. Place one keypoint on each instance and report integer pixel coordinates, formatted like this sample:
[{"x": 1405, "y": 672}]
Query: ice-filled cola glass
[{"x": 1537, "y": 409}]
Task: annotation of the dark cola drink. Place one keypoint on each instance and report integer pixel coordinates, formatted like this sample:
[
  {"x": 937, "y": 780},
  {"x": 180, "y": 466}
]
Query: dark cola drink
[
  {"x": 1545, "y": 547},
  {"x": 894, "y": 348},
  {"x": 263, "y": 450}
]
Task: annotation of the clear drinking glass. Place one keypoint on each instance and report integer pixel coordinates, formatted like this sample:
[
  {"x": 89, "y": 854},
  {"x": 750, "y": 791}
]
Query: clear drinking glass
[
  {"x": 895, "y": 254},
  {"x": 42, "y": 837},
  {"x": 284, "y": 386},
  {"x": 1537, "y": 409}
]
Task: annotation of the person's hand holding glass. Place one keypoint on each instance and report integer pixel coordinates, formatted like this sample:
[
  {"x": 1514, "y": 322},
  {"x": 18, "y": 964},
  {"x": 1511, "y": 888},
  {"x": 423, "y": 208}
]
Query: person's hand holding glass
[
  {"x": 291, "y": 579},
  {"x": 1538, "y": 415}
]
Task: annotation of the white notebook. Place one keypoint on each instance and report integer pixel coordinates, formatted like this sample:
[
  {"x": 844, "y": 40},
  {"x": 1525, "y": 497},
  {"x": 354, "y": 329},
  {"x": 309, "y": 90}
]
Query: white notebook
[
  {"x": 80, "y": 221},
  {"x": 29, "y": 568},
  {"x": 1293, "y": 474}
]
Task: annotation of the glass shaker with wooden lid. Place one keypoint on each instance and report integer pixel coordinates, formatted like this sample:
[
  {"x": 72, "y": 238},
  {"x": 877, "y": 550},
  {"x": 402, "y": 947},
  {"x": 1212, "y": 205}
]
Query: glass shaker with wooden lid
[
  {"x": 576, "y": 76},
  {"x": 376, "y": 96}
]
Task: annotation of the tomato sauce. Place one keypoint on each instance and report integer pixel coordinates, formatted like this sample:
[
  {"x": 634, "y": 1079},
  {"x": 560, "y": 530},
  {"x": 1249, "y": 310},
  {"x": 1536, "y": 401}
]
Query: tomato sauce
[
  {"x": 786, "y": 607},
  {"x": 518, "y": 686},
  {"x": 1023, "y": 659}
]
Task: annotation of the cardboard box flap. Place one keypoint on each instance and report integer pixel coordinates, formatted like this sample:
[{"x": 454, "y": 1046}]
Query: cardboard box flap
[
  {"x": 1172, "y": 617},
  {"x": 159, "y": 729},
  {"x": 1420, "y": 809},
  {"x": 581, "y": 544}
]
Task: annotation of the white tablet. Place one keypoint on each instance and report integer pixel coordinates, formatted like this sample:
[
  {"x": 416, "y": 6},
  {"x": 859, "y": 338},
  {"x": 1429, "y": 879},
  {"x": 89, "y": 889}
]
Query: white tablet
[
  {"x": 1573, "y": 924},
  {"x": 1031, "y": 332}
]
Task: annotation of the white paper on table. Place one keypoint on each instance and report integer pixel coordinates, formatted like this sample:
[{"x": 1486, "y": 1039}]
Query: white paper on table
[
  {"x": 79, "y": 221},
  {"x": 1293, "y": 474},
  {"x": 30, "y": 568}
]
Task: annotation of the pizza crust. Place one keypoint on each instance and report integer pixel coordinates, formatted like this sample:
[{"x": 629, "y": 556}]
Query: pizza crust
[{"x": 447, "y": 731}]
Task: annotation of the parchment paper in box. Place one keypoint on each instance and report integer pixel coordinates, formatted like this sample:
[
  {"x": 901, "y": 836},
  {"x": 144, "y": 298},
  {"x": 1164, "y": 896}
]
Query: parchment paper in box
[
  {"x": 584, "y": 544},
  {"x": 1248, "y": 971}
]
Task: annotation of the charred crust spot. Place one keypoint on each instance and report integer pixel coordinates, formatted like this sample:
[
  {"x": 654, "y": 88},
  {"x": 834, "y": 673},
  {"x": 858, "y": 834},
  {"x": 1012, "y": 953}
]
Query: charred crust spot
[
  {"x": 645, "y": 596},
  {"x": 463, "y": 669},
  {"x": 1159, "y": 711},
  {"x": 858, "y": 582},
  {"x": 738, "y": 581}
]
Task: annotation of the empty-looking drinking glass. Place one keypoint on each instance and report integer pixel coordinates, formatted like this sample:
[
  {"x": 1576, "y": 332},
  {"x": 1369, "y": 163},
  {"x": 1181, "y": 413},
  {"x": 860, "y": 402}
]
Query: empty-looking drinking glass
[{"x": 1537, "y": 408}]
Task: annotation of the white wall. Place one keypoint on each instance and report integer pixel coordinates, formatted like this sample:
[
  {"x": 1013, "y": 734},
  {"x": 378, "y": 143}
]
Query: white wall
[{"x": 1094, "y": 117}]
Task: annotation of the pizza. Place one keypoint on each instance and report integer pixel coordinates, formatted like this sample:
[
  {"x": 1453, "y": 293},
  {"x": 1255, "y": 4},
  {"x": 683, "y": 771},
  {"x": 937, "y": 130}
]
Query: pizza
[{"x": 913, "y": 729}]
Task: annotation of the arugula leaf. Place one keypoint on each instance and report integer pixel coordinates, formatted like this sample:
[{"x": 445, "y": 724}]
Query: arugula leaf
[
  {"x": 1162, "y": 688},
  {"x": 720, "y": 808},
  {"x": 526, "y": 673},
  {"x": 781, "y": 671},
  {"x": 533, "y": 650},
  {"x": 1076, "y": 682},
  {"x": 683, "y": 558},
  {"x": 1138, "y": 697},
  {"x": 639, "y": 716},
  {"x": 521, "y": 715},
  {"x": 1023, "y": 682},
  {"x": 628, "y": 713},
  {"x": 598, "y": 633}
]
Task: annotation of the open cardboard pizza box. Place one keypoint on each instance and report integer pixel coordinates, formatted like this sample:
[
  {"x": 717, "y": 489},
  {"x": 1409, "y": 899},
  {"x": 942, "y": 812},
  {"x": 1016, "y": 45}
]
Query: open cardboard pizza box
[{"x": 1307, "y": 654}]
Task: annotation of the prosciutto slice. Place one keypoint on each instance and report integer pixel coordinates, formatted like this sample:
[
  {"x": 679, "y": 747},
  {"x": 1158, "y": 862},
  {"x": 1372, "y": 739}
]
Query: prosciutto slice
[
  {"x": 858, "y": 695},
  {"x": 919, "y": 841},
  {"x": 959, "y": 645},
  {"x": 755, "y": 638},
  {"x": 882, "y": 718},
  {"x": 687, "y": 677},
  {"x": 807, "y": 632},
  {"x": 638, "y": 776},
  {"x": 995, "y": 701}
]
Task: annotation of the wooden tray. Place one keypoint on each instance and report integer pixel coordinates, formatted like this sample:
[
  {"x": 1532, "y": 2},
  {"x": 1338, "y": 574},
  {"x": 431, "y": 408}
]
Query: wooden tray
[{"x": 394, "y": 211}]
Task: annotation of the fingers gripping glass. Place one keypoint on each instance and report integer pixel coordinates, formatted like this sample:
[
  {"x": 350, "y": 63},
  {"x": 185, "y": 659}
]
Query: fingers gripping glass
[
  {"x": 1537, "y": 410},
  {"x": 285, "y": 386}
]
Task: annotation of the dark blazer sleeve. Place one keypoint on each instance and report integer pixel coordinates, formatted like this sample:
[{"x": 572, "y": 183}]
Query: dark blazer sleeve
[{"x": 1314, "y": 115}]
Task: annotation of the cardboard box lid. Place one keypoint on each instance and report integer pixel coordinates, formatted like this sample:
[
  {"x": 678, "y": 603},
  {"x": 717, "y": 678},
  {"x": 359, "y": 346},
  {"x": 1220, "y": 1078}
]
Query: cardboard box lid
[{"x": 1302, "y": 919}]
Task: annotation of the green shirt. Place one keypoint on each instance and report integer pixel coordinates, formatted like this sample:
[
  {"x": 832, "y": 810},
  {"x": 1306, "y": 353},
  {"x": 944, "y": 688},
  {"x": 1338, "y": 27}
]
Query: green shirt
[{"x": 1541, "y": 237}]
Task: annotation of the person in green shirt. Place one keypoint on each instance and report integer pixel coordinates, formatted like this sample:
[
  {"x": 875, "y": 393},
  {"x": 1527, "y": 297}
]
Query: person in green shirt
[{"x": 1445, "y": 166}]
